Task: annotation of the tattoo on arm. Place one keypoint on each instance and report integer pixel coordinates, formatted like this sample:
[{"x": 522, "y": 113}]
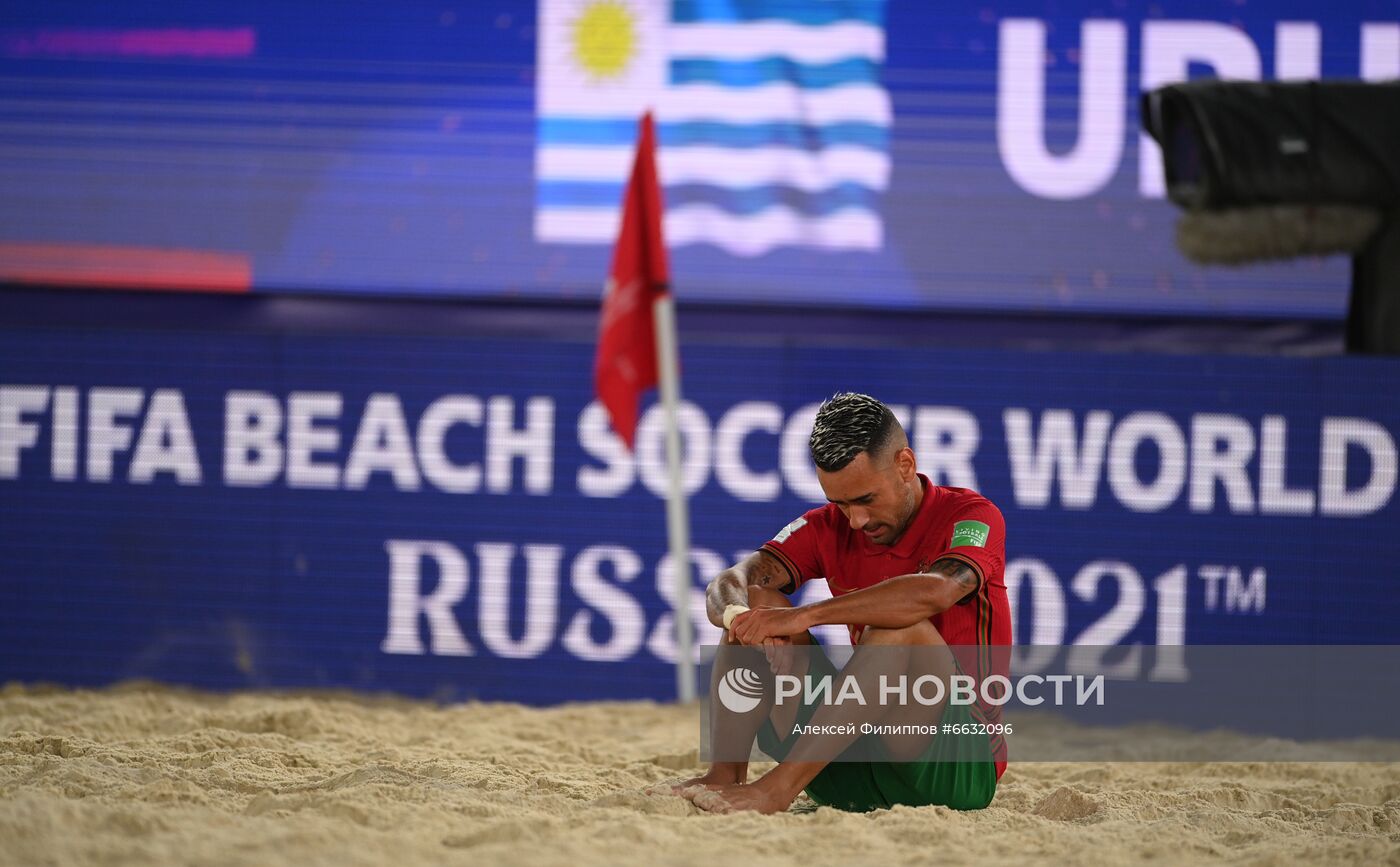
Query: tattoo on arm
[{"x": 958, "y": 572}]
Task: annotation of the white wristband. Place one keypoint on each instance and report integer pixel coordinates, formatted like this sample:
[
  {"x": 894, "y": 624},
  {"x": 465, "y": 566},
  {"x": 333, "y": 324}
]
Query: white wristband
[{"x": 731, "y": 612}]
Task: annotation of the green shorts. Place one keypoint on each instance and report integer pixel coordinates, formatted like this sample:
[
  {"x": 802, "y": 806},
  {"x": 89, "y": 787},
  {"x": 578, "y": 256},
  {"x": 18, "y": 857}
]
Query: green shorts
[{"x": 956, "y": 771}]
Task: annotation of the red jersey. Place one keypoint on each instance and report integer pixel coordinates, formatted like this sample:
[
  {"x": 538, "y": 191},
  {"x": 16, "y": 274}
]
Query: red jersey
[{"x": 950, "y": 522}]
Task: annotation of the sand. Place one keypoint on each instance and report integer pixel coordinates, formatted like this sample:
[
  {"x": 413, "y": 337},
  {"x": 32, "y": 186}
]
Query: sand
[{"x": 143, "y": 774}]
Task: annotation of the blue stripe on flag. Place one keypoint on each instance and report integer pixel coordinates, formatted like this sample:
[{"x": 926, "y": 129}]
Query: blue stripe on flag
[
  {"x": 796, "y": 11},
  {"x": 768, "y": 70},
  {"x": 751, "y": 200},
  {"x": 587, "y": 131},
  {"x": 578, "y": 194},
  {"x": 603, "y": 132}
]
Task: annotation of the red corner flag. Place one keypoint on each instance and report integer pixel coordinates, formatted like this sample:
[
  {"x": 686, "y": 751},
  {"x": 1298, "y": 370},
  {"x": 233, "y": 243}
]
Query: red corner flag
[{"x": 626, "y": 362}]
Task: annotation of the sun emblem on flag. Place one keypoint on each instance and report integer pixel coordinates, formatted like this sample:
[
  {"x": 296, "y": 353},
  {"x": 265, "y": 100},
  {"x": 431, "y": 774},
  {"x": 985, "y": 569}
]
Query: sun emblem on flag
[{"x": 604, "y": 39}]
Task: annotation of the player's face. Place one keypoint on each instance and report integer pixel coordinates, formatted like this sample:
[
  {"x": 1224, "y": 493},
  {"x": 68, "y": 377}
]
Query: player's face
[{"x": 878, "y": 497}]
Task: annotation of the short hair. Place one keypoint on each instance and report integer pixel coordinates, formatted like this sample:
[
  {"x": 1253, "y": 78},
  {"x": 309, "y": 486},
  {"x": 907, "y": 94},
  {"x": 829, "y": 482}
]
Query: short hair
[{"x": 848, "y": 424}]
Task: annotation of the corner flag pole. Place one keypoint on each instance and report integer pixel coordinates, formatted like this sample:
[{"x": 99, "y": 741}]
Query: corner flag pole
[
  {"x": 677, "y": 514},
  {"x": 637, "y": 350}
]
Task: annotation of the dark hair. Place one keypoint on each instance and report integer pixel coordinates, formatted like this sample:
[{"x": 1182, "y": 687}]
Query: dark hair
[{"x": 848, "y": 424}]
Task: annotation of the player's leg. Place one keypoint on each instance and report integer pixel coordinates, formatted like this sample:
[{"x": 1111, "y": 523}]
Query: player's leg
[
  {"x": 913, "y": 652},
  {"x": 916, "y": 650},
  {"x": 736, "y": 729},
  {"x": 883, "y": 655},
  {"x": 951, "y": 768}
]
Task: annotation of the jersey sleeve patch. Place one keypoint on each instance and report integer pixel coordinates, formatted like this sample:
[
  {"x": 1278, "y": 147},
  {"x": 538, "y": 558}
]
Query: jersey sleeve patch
[
  {"x": 970, "y": 533},
  {"x": 796, "y": 525}
]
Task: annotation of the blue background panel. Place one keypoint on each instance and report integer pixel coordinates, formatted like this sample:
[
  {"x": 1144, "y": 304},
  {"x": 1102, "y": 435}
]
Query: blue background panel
[{"x": 277, "y": 584}]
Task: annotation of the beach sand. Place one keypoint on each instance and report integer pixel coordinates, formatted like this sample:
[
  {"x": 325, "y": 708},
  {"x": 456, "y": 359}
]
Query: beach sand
[{"x": 150, "y": 775}]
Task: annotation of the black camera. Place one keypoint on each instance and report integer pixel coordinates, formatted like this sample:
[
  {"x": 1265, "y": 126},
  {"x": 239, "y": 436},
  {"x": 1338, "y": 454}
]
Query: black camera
[{"x": 1274, "y": 171}]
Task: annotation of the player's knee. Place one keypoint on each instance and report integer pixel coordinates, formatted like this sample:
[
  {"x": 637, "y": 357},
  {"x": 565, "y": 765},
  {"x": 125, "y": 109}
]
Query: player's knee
[
  {"x": 766, "y": 597},
  {"x": 922, "y": 632}
]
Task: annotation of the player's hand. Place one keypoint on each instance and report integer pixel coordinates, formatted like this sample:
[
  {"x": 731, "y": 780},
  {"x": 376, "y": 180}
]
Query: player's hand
[
  {"x": 779, "y": 652},
  {"x": 756, "y": 624}
]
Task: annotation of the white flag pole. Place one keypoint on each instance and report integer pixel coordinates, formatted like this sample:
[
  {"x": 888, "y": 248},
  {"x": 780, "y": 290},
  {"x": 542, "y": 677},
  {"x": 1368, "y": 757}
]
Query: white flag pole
[{"x": 677, "y": 516}]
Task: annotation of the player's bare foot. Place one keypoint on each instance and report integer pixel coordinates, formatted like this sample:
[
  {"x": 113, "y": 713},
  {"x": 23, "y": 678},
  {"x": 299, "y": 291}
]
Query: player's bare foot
[{"x": 738, "y": 797}]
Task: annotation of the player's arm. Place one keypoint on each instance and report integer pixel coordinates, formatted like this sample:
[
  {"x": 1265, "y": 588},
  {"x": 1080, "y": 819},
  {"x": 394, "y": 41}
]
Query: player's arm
[
  {"x": 731, "y": 587},
  {"x": 900, "y": 601},
  {"x": 892, "y": 604}
]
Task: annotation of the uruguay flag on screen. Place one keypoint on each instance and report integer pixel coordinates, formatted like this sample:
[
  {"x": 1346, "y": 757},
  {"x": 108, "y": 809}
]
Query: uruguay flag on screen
[{"x": 772, "y": 123}]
